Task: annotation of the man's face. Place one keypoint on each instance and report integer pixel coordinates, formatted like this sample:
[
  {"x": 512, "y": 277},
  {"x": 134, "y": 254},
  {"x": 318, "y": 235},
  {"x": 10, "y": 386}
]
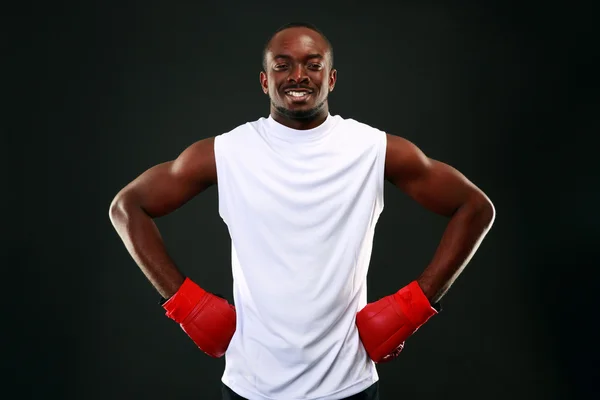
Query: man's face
[{"x": 298, "y": 76}]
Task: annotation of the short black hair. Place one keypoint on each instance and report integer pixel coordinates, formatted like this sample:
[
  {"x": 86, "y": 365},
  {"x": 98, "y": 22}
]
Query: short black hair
[{"x": 295, "y": 25}]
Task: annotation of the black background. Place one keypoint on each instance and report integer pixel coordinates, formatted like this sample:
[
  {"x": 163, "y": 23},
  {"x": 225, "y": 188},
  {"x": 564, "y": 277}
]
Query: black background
[{"x": 504, "y": 91}]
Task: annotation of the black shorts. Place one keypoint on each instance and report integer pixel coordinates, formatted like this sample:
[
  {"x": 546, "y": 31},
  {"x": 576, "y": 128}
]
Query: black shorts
[{"x": 370, "y": 393}]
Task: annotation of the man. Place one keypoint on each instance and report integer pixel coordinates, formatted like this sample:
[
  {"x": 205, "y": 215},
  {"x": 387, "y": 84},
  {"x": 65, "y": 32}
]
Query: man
[{"x": 301, "y": 192}]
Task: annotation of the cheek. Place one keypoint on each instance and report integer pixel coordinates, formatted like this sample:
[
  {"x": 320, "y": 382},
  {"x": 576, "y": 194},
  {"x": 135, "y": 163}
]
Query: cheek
[
  {"x": 272, "y": 85},
  {"x": 322, "y": 82},
  {"x": 324, "y": 88},
  {"x": 273, "y": 90}
]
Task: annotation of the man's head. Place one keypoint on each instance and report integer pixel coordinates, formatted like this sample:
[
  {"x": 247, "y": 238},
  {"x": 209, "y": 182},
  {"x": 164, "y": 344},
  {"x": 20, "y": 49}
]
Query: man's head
[{"x": 298, "y": 72}]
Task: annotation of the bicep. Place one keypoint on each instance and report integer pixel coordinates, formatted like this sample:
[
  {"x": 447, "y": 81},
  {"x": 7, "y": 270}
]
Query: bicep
[
  {"x": 167, "y": 186},
  {"x": 435, "y": 185}
]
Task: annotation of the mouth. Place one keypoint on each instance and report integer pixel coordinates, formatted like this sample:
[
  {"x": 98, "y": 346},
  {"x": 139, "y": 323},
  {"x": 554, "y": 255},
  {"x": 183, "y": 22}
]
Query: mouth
[{"x": 298, "y": 95}]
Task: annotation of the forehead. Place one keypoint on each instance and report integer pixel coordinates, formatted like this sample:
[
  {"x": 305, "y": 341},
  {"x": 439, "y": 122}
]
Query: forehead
[{"x": 298, "y": 41}]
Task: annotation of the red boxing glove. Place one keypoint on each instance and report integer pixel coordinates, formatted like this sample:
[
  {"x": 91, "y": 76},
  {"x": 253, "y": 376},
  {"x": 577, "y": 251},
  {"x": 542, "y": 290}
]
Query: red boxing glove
[
  {"x": 207, "y": 319},
  {"x": 384, "y": 326}
]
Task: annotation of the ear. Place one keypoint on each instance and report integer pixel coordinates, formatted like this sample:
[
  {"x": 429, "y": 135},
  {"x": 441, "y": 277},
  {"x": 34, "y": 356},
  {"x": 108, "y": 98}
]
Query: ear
[
  {"x": 263, "y": 82},
  {"x": 332, "y": 79}
]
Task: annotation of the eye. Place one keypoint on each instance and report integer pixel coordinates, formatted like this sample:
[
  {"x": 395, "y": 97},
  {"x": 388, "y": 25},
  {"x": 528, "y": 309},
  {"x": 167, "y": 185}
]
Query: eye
[
  {"x": 315, "y": 66},
  {"x": 280, "y": 66}
]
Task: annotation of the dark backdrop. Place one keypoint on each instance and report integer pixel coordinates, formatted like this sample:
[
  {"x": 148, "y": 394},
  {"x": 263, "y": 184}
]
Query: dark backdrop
[{"x": 504, "y": 91}]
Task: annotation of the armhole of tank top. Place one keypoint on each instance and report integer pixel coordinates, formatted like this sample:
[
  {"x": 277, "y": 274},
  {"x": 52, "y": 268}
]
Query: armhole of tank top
[
  {"x": 381, "y": 153},
  {"x": 221, "y": 178}
]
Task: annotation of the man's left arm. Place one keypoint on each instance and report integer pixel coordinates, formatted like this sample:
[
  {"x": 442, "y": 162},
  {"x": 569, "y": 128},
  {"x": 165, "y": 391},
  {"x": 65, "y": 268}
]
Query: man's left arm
[
  {"x": 442, "y": 189},
  {"x": 386, "y": 324}
]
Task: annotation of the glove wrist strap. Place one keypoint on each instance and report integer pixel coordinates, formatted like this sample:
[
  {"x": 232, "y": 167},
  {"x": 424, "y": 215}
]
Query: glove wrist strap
[
  {"x": 414, "y": 304},
  {"x": 183, "y": 301}
]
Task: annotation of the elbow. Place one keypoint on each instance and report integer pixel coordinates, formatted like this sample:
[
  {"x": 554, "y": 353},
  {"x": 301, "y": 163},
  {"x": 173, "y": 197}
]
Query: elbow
[
  {"x": 485, "y": 210},
  {"x": 115, "y": 210},
  {"x": 118, "y": 210},
  {"x": 479, "y": 210}
]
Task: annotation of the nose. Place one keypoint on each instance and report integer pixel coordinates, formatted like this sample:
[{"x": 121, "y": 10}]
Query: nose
[{"x": 298, "y": 75}]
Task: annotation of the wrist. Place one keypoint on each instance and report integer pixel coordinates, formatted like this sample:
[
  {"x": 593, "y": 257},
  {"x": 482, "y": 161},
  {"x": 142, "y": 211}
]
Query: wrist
[
  {"x": 414, "y": 304},
  {"x": 184, "y": 300}
]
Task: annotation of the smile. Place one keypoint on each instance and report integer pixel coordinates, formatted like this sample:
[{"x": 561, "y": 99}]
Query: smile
[{"x": 298, "y": 94}]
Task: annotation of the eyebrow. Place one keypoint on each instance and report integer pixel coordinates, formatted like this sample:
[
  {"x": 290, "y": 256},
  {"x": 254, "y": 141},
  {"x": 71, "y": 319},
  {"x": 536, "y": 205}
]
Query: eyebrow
[{"x": 286, "y": 56}]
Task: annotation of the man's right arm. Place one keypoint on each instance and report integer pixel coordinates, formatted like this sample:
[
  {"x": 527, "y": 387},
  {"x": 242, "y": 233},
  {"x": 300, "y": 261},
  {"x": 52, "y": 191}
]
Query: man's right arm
[{"x": 159, "y": 191}]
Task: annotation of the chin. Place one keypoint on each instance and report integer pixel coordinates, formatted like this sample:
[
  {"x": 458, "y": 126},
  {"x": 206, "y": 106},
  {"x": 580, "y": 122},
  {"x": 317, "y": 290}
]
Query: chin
[{"x": 302, "y": 112}]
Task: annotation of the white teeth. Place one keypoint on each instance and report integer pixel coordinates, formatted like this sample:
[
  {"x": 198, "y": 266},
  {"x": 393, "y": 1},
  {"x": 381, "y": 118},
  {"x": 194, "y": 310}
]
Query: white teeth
[{"x": 297, "y": 94}]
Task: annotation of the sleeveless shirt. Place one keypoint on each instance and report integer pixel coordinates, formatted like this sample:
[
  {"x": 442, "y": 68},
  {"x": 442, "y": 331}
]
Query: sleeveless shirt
[{"x": 301, "y": 208}]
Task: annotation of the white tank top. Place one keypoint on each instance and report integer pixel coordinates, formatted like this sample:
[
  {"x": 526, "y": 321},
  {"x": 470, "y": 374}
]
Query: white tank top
[{"x": 301, "y": 208}]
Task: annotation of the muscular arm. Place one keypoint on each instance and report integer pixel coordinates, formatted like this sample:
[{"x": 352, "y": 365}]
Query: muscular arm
[
  {"x": 441, "y": 189},
  {"x": 157, "y": 192}
]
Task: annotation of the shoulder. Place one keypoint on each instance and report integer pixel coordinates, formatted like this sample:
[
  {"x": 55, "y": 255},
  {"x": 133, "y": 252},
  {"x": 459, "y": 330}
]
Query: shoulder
[
  {"x": 241, "y": 131},
  {"x": 400, "y": 148},
  {"x": 360, "y": 131},
  {"x": 355, "y": 125},
  {"x": 237, "y": 141}
]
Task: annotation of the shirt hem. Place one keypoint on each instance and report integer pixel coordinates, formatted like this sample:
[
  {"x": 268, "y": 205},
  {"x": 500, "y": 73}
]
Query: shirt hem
[{"x": 337, "y": 395}]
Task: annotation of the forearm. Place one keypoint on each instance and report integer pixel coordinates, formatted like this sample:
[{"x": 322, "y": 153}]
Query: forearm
[
  {"x": 144, "y": 242},
  {"x": 460, "y": 240}
]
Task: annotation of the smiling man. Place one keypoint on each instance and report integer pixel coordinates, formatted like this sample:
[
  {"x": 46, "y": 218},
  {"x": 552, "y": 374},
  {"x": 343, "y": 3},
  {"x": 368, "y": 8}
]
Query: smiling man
[
  {"x": 298, "y": 102},
  {"x": 301, "y": 192}
]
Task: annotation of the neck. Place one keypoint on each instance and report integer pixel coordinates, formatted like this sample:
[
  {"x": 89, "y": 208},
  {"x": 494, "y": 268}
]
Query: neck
[{"x": 301, "y": 123}]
